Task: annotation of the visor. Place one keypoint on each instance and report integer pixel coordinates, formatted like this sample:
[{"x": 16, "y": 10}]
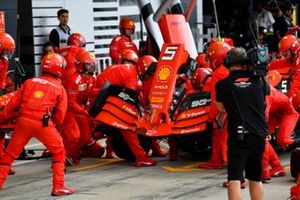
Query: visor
[{"x": 8, "y": 54}]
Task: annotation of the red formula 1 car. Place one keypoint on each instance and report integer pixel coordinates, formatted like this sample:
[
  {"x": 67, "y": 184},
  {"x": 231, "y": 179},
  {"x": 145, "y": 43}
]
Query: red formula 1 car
[{"x": 171, "y": 111}]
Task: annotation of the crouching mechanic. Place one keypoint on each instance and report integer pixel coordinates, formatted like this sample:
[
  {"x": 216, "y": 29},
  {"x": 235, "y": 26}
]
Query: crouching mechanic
[
  {"x": 279, "y": 111},
  {"x": 78, "y": 124},
  {"x": 39, "y": 121},
  {"x": 243, "y": 97},
  {"x": 126, "y": 75}
]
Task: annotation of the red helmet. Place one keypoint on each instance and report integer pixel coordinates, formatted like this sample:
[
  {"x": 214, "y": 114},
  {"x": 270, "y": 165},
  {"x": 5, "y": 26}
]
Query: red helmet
[
  {"x": 289, "y": 42},
  {"x": 77, "y": 40},
  {"x": 144, "y": 63},
  {"x": 201, "y": 76},
  {"x": 126, "y": 23},
  {"x": 7, "y": 43},
  {"x": 217, "y": 52},
  {"x": 229, "y": 41},
  {"x": 53, "y": 63},
  {"x": 129, "y": 55},
  {"x": 202, "y": 60},
  {"x": 83, "y": 59}
]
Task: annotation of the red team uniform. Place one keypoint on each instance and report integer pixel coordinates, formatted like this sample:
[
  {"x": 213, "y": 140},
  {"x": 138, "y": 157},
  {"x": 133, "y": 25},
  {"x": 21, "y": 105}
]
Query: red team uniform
[
  {"x": 123, "y": 41},
  {"x": 217, "y": 51},
  {"x": 47, "y": 92}
]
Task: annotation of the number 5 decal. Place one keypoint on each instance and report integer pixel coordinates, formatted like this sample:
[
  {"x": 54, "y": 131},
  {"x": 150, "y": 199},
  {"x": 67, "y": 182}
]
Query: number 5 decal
[
  {"x": 169, "y": 53},
  {"x": 284, "y": 86}
]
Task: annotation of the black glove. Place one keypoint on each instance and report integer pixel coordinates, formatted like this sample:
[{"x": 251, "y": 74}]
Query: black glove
[{"x": 209, "y": 127}]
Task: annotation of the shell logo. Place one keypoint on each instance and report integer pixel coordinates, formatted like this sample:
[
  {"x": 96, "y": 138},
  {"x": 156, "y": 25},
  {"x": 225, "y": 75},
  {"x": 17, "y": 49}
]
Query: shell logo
[
  {"x": 92, "y": 56},
  {"x": 272, "y": 77},
  {"x": 164, "y": 73},
  {"x": 49, "y": 56},
  {"x": 38, "y": 94}
]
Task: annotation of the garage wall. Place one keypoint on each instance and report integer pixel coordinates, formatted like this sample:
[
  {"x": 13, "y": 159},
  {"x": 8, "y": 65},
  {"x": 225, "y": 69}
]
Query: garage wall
[{"x": 97, "y": 20}]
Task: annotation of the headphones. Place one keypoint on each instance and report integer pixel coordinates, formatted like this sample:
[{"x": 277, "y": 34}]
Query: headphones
[{"x": 236, "y": 56}]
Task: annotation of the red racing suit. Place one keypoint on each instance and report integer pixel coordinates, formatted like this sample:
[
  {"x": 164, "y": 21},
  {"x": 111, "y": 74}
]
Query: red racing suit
[
  {"x": 294, "y": 67},
  {"x": 219, "y": 135},
  {"x": 125, "y": 76},
  {"x": 118, "y": 44},
  {"x": 37, "y": 97},
  {"x": 146, "y": 91},
  {"x": 271, "y": 158},
  {"x": 280, "y": 112},
  {"x": 77, "y": 126},
  {"x": 3, "y": 70},
  {"x": 69, "y": 53}
]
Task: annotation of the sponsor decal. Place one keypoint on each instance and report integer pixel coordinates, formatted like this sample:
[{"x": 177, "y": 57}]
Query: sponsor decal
[
  {"x": 194, "y": 114},
  {"x": 156, "y": 106},
  {"x": 162, "y": 87},
  {"x": 43, "y": 81},
  {"x": 240, "y": 80},
  {"x": 190, "y": 130},
  {"x": 116, "y": 124},
  {"x": 49, "y": 56},
  {"x": 125, "y": 96},
  {"x": 169, "y": 53},
  {"x": 38, "y": 94},
  {"x": 92, "y": 56},
  {"x": 2, "y": 22},
  {"x": 129, "y": 110},
  {"x": 82, "y": 87},
  {"x": 159, "y": 93},
  {"x": 200, "y": 102},
  {"x": 157, "y": 99},
  {"x": 164, "y": 73},
  {"x": 153, "y": 115}
]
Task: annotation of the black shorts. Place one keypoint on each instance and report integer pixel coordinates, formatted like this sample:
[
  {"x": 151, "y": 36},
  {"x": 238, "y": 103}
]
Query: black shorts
[{"x": 245, "y": 156}]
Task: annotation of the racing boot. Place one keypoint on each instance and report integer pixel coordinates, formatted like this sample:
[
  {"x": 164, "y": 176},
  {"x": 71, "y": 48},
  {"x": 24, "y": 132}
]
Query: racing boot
[
  {"x": 265, "y": 175},
  {"x": 276, "y": 168},
  {"x": 156, "y": 150},
  {"x": 4, "y": 170},
  {"x": 277, "y": 171},
  {"x": 294, "y": 197},
  {"x": 144, "y": 162},
  {"x": 109, "y": 149},
  {"x": 210, "y": 165},
  {"x": 11, "y": 171},
  {"x": 92, "y": 150},
  {"x": 243, "y": 184},
  {"x": 46, "y": 154},
  {"x": 58, "y": 179},
  {"x": 141, "y": 159},
  {"x": 173, "y": 149},
  {"x": 60, "y": 191},
  {"x": 72, "y": 160},
  {"x": 295, "y": 193},
  {"x": 216, "y": 159}
]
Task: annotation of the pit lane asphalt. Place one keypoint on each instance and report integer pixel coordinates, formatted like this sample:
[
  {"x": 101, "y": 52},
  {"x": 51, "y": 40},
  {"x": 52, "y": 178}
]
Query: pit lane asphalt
[{"x": 118, "y": 179}]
